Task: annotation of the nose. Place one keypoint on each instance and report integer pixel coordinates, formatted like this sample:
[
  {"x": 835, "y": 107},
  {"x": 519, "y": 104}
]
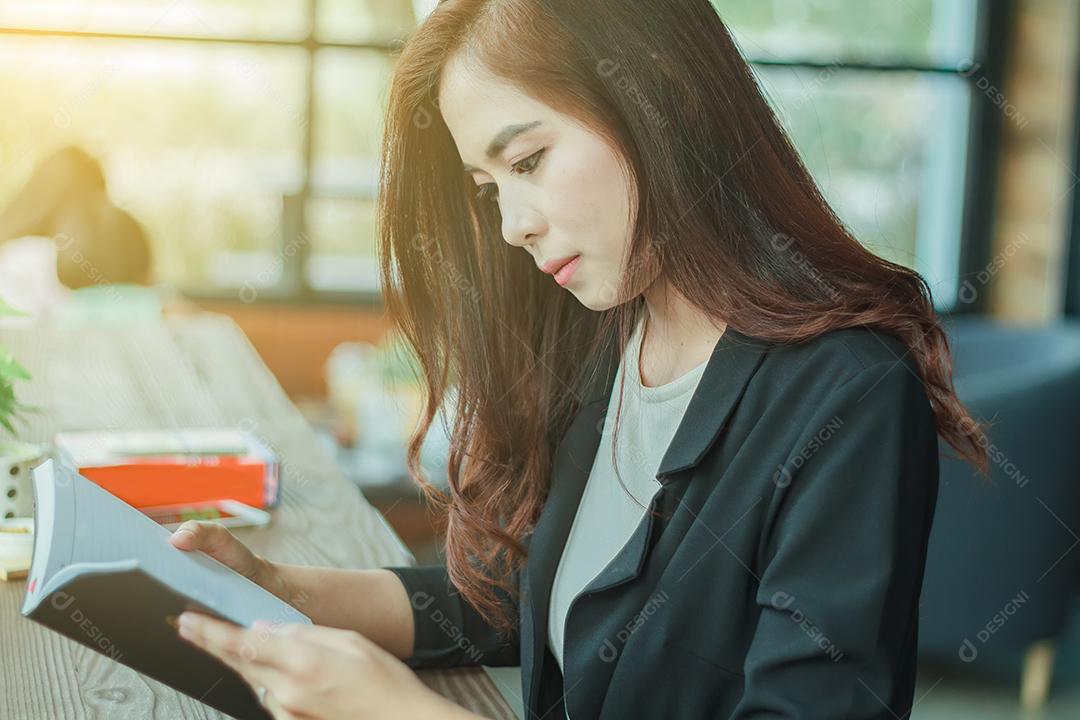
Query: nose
[{"x": 521, "y": 224}]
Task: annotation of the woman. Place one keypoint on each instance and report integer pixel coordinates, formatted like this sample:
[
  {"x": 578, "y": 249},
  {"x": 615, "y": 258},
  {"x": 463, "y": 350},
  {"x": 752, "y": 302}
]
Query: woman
[{"x": 691, "y": 475}]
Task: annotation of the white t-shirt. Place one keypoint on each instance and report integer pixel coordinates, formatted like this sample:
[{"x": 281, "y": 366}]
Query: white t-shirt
[{"x": 606, "y": 516}]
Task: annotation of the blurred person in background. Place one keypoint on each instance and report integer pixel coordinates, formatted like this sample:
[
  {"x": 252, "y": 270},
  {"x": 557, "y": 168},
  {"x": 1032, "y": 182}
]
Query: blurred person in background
[{"x": 63, "y": 244}]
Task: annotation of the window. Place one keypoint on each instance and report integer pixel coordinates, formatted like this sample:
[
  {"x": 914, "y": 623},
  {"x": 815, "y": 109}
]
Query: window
[
  {"x": 878, "y": 97},
  {"x": 244, "y": 134}
]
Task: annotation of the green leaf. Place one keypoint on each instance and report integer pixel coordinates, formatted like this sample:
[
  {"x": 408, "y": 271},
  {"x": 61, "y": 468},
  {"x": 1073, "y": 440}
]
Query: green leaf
[
  {"x": 10, "y": 368},
  {"x": 10, "y": 371}
]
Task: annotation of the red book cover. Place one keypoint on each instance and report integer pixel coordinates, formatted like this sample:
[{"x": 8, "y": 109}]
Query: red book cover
[{"x": 168, "y": 467}]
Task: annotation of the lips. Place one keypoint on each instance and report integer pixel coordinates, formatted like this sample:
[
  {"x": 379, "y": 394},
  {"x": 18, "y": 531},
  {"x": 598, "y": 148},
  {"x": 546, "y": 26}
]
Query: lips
[
  {"x": 567, "y": 271},
  {"x": 553, "y": 266}
]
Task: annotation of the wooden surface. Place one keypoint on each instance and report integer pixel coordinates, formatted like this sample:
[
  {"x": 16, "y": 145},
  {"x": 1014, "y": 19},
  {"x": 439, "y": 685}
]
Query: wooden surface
[
  {"x": 194, "y": 371},
  {"x": 276, "y": 330}
]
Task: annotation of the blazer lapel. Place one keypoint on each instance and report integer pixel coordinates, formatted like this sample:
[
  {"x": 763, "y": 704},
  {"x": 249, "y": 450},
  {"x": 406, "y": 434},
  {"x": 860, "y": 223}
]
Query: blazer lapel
[{"x": 733, "y": 362}]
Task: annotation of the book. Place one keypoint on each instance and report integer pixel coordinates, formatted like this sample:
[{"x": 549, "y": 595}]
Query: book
[
  {"x": 105, "y": 575},
  {"x": 150, "y": 468}
]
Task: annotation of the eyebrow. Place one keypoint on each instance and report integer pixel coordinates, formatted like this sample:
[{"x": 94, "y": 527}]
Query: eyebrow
[{"x": 500, "y": 141}]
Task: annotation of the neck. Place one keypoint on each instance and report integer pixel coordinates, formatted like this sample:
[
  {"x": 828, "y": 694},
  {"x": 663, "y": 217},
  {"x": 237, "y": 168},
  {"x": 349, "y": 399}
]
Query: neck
[{"x": 678, "y": 336}]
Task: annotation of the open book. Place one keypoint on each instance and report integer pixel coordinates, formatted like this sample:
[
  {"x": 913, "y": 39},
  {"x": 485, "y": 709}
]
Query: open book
[{"x": 106, "y": 576}]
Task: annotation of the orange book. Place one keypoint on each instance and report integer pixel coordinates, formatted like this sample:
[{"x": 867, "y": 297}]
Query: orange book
[{"x": 148, "y": 468}]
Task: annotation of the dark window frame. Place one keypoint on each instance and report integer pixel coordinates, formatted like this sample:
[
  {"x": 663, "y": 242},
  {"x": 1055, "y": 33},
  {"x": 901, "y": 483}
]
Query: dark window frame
[
  {"x": 993, "y": 35},
  {"x": 1071, "y": 301},
  {"x": 993, "y": 19}
]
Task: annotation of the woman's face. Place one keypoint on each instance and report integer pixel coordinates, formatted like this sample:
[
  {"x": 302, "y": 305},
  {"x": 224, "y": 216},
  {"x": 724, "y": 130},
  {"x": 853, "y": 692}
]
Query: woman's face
[{"x": 560, "y": 187}]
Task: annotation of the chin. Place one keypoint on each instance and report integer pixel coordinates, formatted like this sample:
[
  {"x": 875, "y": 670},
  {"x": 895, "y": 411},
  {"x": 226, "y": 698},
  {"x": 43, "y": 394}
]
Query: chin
[{"x": 596, "y": 301}]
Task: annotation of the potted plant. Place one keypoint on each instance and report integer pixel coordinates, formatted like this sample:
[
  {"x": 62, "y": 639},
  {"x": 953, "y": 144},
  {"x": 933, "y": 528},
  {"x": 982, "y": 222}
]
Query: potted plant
[{"x": 16, "y": 458}]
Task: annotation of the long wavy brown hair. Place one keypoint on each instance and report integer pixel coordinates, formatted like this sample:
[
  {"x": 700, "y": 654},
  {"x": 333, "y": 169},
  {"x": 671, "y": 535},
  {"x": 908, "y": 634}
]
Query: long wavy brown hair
[{"x": 724, "y": 207}]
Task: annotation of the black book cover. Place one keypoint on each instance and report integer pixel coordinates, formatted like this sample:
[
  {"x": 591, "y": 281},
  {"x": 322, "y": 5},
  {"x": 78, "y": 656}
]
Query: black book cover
[{"x": 130, "y": 617}]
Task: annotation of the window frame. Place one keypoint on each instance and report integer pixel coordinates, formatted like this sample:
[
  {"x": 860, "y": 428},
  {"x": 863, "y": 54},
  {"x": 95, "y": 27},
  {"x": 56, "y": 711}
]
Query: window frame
[{"x": 1071, "y": 299}]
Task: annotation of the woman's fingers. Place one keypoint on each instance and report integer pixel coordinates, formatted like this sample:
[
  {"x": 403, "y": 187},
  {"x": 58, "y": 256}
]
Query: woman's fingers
[
  {"x": 265, "y": 677},
  {"x": 186, "y": 537},
  {"x": 198, "y": 535},
  {"x": 250, "y": 646},
  {"x": 279, "y": 664},
  {"x": 321, "y": 634},
  {"x": 217, "y": 542}
]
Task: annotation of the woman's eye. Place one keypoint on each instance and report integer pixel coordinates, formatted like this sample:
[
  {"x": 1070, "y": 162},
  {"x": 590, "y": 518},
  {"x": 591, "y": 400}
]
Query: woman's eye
[
  {"x": 529, "y": 164},
  {"x": 490, "y": 191}
]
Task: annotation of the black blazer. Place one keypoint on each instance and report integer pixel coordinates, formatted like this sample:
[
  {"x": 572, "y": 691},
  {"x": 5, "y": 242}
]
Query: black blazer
[{"x": 783, "y": 582}]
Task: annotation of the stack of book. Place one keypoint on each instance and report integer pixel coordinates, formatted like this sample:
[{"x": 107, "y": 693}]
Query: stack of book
[
  {"x": 224, "y": 475},
  {"x": 155, "y": 468}
]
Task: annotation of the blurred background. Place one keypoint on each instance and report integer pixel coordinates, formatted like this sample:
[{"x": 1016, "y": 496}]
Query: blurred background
[{"x": 233, "y": 147}]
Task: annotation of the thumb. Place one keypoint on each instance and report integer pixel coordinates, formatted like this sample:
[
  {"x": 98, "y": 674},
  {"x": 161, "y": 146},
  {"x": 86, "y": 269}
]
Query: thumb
[
  {"x": 186, "y": 537},
  {"x": 216, "y": 541}
]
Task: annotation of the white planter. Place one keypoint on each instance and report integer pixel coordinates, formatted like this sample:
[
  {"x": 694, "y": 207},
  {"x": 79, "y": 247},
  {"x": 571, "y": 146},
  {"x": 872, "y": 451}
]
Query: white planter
[{"x": 16, "y": 489}]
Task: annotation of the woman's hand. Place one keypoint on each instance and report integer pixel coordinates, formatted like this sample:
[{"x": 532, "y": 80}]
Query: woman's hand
[
  {"x": 217, "y": 542},
  {"x": 311, "y": 671},
  {"x": 323, "y": 594}
]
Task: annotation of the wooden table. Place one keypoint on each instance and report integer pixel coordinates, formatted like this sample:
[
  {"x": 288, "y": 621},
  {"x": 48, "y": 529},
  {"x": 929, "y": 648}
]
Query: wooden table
[{"x": 185, "y": 371}]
